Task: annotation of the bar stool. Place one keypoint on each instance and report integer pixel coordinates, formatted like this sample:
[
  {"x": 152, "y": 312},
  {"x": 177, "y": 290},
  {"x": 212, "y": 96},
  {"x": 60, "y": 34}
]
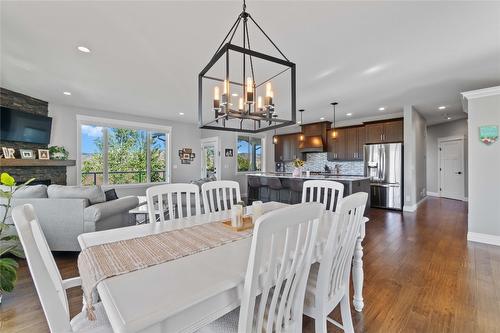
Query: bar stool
[
  {"x": 295, "y": 186},
  {"x": 276, "y": 186},
  {"x": 254, "y": 186}
]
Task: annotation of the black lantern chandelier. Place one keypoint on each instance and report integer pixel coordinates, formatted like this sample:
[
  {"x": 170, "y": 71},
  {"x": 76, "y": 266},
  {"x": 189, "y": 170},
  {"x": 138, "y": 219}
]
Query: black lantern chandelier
[{"x": 244, "y": 97}]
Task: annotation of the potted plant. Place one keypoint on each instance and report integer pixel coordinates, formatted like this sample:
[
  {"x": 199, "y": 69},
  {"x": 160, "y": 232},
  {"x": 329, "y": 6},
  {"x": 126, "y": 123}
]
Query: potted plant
[
  {"x": 10, "y": 246},
  {"x": 298, "y": 165},
  {"x": 58, "y": 153}
]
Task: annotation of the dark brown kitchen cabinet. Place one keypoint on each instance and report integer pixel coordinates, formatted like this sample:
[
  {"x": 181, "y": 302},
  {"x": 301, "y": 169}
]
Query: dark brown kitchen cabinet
[
  {"x": 287, "y": 148},
  {"x": 393, "y": 131},
  {"x": 384, "y": 132},
  {"x": 337, "y": 147},
  {"x": 355, "y": 142}
]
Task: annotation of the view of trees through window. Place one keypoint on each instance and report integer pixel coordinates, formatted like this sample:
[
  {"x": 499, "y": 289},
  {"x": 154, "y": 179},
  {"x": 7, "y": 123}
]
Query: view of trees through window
[
  {"x": 131, "y": 155},
  {"x": 249, "y": 155}
]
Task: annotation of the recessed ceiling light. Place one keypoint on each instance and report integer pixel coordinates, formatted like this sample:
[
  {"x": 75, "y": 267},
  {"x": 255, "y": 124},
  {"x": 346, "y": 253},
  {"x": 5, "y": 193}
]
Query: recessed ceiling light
[
  {"x": 349, "y": 114},
  {"x": 83, "y": 49},
  {"x": 381, "y": 108},
  {"x": 234, "y": 95},
  {"x": 322, "y": 118},
  {"x": 67, "y": 93},
  {"x": 448, "y": 118},
  {"x": 442, "y": 107},
  {"x": 181, "y": 113}
]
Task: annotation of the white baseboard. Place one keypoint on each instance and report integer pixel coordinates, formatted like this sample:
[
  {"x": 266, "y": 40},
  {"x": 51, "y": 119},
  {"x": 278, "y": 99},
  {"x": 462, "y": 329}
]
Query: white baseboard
[
  {"x": 433, "y": 194},
  {"x": 483, "y": 238},
  {"x": 412, "y": 208}
]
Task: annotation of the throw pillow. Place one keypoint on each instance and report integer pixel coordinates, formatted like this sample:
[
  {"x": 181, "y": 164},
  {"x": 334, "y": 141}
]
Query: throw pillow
[{"x": 110, "y": 195}]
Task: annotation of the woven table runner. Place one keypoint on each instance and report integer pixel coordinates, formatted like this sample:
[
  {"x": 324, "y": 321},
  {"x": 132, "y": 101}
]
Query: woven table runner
[{"x": 99, "y": 262}]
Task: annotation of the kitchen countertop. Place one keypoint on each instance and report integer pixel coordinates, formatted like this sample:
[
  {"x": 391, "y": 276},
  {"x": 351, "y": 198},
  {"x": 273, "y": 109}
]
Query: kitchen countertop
[{"x": 321, "y": 177}]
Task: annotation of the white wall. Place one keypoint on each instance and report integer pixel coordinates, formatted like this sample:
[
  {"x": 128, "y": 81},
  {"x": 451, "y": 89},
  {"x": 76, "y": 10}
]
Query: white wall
[
  {"x": 484, "y": 168},
  {"x": 228, "y": 164},
  {"x": 64, "y": 133},
  {"x": 415, "y": 132},
  {"x": 452, "y": 128}
]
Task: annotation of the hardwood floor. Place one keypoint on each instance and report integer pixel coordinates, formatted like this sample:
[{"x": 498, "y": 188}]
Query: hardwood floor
[{"x": 421, "y": 275}]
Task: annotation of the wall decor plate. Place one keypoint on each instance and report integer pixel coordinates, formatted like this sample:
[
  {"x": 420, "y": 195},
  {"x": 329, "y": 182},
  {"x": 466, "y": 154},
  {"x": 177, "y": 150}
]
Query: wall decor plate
[
  {"x": 186, "y": 155},
  {"x": 488, "y": 134}
]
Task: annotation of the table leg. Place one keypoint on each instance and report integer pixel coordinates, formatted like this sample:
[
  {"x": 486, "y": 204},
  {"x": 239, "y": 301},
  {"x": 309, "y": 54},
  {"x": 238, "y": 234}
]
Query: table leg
[{"x": 357, "y": 272}]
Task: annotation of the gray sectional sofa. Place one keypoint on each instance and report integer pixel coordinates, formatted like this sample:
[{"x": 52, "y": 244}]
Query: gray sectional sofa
[{"x": 65, "y": 212}]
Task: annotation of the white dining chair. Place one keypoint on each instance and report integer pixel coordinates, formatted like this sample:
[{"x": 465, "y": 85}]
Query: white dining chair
[
  {"x": 328, "y": 284},
  {"x": 51, "y": 288},
  {"x": 277, "y": 270},
  {"x": 220, "y": 195},
  {"x": 170, "y": 201},
  {"x": 325, "y": 192}
]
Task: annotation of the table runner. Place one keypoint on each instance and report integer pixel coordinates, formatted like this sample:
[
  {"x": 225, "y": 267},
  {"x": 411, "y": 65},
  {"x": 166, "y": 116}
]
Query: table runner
[{"x": 99, "y": 262}]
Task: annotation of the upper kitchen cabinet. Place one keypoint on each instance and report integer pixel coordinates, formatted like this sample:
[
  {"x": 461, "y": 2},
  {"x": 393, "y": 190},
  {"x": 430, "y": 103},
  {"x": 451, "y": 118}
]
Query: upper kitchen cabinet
[
  {"x": 287, "y": 148},
  {"x": 355, "y": 142},
  {"x": 337, "y": 147},
  {"x": 384, "y": 132}
]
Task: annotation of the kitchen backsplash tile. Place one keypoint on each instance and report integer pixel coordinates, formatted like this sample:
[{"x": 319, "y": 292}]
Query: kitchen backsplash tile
[{"x": 317, "y": 162}]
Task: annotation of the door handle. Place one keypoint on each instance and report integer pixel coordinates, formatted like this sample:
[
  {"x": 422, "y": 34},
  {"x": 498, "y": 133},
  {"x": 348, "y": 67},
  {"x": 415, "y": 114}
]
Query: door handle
[{"x": 459, "y": 172}]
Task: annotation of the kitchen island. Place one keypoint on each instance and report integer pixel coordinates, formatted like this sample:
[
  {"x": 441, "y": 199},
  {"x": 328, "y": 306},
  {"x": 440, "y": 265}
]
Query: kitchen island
[{"x": 283, "y": 187}]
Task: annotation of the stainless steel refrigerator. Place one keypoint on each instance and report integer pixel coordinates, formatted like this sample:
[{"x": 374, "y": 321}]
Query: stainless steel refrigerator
[{"x": 384, "y": 166}]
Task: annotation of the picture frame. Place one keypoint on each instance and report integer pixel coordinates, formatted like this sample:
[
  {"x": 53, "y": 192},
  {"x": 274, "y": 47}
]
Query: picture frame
[
  {"x": 27, "y": 154},
  {"x": 9, "y": 153},
  {"x": 228, "y": 152},
  {"x": 43, "y": 154}
]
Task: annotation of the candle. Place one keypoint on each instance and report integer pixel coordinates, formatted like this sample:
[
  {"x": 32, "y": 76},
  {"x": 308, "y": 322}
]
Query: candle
[
  {"x": 216, "y": 97},
  {"x": 249, "y": 90},
  {"x": 236, "y": 212},
  {"x": 256, "y": 210}
]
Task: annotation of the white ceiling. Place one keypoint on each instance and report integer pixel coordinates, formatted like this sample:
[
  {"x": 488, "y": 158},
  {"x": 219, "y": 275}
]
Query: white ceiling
[{"x": 146, "y": 55}]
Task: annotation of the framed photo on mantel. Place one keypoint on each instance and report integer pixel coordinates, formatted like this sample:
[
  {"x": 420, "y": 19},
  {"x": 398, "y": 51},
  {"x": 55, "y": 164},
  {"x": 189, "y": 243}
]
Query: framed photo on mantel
[
  {"x": 27, "y": 154},
  {"x": 43, "y": 154}
]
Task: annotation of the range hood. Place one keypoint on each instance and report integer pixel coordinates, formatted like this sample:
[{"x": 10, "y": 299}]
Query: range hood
[
  {"x": 315, "y": 137},
  {"x": 312, "y": 144}
]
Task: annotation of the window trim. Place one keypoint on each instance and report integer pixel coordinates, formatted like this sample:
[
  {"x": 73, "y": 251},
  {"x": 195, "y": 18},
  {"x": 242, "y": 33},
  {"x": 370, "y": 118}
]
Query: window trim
[
  {"x": 264, "y": 151},
  {"x": 113, "y": 123}
]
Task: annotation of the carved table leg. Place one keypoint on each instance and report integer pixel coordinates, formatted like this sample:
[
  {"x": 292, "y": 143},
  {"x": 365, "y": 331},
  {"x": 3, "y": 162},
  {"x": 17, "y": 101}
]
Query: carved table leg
[{"x": 357, "y": 272}]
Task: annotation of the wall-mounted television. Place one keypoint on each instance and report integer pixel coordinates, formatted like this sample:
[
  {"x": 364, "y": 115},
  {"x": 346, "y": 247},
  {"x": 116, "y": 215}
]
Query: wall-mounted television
[{"x": 24, "y": 127}]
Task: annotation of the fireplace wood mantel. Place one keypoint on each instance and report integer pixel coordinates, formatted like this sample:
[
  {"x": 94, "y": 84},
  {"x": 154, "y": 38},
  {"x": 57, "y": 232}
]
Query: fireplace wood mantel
[{"x": 4, "y": 162}]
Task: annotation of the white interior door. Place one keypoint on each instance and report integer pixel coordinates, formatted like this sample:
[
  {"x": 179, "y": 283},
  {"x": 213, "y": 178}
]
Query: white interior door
[
  {"x": 451, "y": 169},
  {"x": 210, "y": 164}
]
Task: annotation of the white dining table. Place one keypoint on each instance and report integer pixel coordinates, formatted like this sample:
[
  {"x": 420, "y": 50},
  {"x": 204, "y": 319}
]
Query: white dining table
[{"x": 185, "y": 294}]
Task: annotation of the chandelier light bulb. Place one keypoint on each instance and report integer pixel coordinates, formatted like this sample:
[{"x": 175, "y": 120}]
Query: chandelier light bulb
[
  {"x": 259, "y": 102},
  {"x": 240, "y": 104},
  {"x": 216, "y": 97},
  {"x": 249, "y": 90}
]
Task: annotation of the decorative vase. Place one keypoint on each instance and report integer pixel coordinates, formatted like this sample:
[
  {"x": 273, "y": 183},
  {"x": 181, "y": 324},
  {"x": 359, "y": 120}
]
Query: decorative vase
[{"x": 297, "y": 172}]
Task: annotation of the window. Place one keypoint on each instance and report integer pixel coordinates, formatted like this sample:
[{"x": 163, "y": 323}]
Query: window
[
  {"x": 122, "y": 154},
  {"x": 250, "y": 153}
]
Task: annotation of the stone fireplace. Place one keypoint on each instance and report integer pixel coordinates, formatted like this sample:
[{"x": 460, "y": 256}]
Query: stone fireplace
[{"x": 45, "y": 171}]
